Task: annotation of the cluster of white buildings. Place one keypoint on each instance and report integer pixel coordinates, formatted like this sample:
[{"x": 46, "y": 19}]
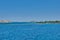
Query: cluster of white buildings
[{"x": 4, "y": 21}]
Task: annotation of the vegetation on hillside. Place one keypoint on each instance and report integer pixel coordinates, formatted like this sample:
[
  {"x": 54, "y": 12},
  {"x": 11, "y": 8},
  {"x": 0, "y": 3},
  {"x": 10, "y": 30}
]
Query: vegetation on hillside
[{"x": 48, "y": 22}]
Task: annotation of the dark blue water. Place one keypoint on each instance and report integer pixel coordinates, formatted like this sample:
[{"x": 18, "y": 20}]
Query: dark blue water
[{"x": 29, "y": 31}]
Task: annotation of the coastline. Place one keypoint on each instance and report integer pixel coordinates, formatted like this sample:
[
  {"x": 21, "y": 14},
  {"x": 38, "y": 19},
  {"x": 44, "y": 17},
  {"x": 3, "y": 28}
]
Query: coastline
[{"x": 48, "y": 22}]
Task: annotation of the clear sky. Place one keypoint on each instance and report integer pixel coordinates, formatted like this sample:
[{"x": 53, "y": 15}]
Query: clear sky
[{"x": 28, "y": 10}]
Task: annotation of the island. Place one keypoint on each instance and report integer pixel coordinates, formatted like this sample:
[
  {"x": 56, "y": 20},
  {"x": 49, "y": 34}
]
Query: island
[{"x": 48, "y": 22}]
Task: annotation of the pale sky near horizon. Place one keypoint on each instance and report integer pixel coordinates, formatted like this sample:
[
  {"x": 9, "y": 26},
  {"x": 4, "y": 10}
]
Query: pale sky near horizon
[{"x": 28, "y": 10}]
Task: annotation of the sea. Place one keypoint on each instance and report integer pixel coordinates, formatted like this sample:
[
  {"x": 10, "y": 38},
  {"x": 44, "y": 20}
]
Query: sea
[{"x": 29, "y": 31}]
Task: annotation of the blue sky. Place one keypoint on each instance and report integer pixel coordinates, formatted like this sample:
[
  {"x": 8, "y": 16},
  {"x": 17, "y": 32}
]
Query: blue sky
[{"x": 28, "y": 10}]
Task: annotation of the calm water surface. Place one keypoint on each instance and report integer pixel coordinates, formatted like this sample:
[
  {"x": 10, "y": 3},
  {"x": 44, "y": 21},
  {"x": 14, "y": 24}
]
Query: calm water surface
[{"x": 29, "y": 31}]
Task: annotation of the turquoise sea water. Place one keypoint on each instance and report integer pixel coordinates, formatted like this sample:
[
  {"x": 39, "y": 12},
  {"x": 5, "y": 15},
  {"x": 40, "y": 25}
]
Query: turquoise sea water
[{"x": 29, "y": 31}]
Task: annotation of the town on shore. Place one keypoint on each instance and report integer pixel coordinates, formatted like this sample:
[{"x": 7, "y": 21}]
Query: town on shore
[{"x": 4, "y": 21}]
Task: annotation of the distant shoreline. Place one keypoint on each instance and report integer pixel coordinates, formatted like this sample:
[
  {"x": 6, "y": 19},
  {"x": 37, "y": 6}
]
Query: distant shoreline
[
  {"x": 41, "y": 22},
  {"x": 48, "y": 22}
]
